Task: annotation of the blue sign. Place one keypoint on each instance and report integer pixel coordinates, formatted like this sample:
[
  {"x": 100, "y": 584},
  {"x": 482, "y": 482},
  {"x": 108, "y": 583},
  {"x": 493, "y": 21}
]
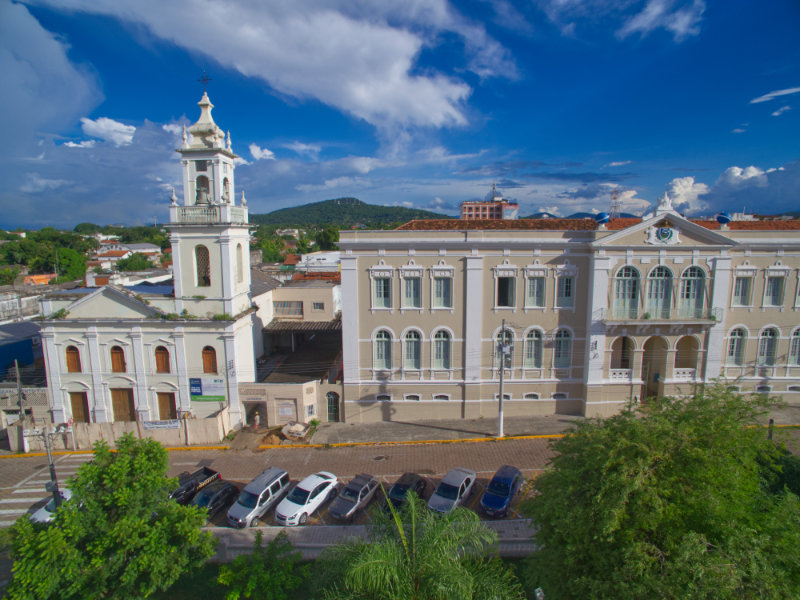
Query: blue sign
[{"x": 195, "y": 386}]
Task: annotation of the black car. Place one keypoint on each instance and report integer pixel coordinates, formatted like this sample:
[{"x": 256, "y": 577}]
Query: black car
[
  {"x": 407, "y": 482},
  {"x": 216, "y": 496}
]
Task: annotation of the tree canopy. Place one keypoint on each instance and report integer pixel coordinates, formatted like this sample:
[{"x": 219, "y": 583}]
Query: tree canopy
[
  {"x": 682, "y": 498},
  {"x": 416, "y": 554},
  {"x": 118, "y": 537},
  {"x": 135, "y": 262}
]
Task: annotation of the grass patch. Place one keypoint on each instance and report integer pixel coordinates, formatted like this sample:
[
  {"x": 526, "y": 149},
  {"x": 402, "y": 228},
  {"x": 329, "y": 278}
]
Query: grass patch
[{"x": 201, "y": 583}]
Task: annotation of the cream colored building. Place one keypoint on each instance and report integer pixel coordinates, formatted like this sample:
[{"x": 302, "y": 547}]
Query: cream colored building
[
  {"x": 159, "y": 352},
  {"x": 596, "y": 316}
]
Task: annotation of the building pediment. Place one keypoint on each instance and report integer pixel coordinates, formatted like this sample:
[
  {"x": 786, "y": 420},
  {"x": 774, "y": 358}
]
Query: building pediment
[
  {"x": 111, "y": 303},
  {"x": 664, "y": 231}
]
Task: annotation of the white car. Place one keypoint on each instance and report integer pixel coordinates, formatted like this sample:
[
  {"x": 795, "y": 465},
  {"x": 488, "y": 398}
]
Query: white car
[
  {"x": 48, "y": 512},
  {"x": 306, "y": 497}
]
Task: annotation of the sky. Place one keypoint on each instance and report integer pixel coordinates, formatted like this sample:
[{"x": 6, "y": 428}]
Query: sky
[{"x": 416, "y": 103}]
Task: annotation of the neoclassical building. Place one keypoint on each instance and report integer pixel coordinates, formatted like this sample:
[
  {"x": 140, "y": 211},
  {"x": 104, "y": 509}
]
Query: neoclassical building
[
  {"x": 584, "y": 317},
  {"x": 160, "y": 352}
]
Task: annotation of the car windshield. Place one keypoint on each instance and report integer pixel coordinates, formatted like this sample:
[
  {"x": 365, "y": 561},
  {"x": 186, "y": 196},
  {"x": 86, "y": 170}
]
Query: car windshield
[
  {"x": 351, "y": 494},
  {"x": 299, "y": 495},
  {"x": 398, "y": 491},
  {"x": 447, "y": 491},
  {"x": 248, "y": 500},
  {"x": 499, "y": 488},
  {"x": 203, "y": 498}
]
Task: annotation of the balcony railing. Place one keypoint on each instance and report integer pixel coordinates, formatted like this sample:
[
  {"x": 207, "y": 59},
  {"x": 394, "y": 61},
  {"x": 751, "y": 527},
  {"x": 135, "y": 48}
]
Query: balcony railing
[
  {"x": 199, "y": 215},
  {"x": 674, "y": 313},
  {"x": 620, "y": 375},
  {"x": 684, "y": 374}
]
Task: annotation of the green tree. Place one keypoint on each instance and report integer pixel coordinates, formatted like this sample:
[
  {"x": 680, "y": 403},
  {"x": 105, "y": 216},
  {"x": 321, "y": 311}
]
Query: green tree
[
  {"x": 416, "y": 554},
  {"x": 269, "y": 573},
  {"x": 678, "y": 499},
  {"x": 119, "y": 537},
  {"x": 71, "y": 264},
  {"x": 7, "y": 276},
  {"x": 135, "y": 262},
  {"x": 327, "y": 237},
  {"x": 87, "y": 228}
]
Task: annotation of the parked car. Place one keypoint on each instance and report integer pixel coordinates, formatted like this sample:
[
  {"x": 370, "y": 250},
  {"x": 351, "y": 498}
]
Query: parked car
[
  {"x": 353, "y": 497},
  {"x": 216, "y": 496},
  {"x": 501, "y": 490},
  {"x": 258, "y": 496},
  {"x": 48, "y": 512},
  {"x": 191, "y": 483},
  {"x": 407, "y": 482},
  {"x": 453, "y": 490},
  {"x": 306, "y": 497}
]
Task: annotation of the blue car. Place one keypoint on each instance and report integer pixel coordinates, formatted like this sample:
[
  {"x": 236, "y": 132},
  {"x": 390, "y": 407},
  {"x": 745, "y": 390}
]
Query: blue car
[{"x": 497, "y": 497}]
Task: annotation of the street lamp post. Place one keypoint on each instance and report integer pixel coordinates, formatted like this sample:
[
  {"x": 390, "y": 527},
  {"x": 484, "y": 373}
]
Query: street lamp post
[
  {"x": 503, "y": 349},
  {"x": 46, "y": 438}
]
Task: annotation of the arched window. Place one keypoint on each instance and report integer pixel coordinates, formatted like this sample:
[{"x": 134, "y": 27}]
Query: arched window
[
  {"x": 162, "y": 360},
  {"x": 441, "y": 350},
  {"x": 209, "y": 360},
  {"x": 383, "y": 351},
  {"x": 504, "y": 344},
  {"x": 411, "y": 351},
  {"x": 117, "y": 360},
  {"x": 693, "y": 288},
  {"x": 736, "y": 341},
  {"x": 621, "y": 353},
  {"x": 239, "y": 264},
  {"x": 659, "y": 292},
  {"x": 767, "y": 346},
  {"x": 203, "y": 265},
  {"x": 202, "y": 188},
  {"x": 73, "y": 360},
  {"x": 626, "y": 293},
  {"x": 686, "y": 351},
  {"x": 794, "y": 349},
  {"x": 226, "y": 190},
  {"x": 533, "y": 350},
  {"x": 562, "y": 349}
]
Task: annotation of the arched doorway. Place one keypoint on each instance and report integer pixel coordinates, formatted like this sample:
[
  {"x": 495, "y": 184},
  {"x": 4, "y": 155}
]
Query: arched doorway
[
  {"x": 654, "y": 365},
  {"x": 686, "y": 352},
  {"x": 333, "y": 406}
]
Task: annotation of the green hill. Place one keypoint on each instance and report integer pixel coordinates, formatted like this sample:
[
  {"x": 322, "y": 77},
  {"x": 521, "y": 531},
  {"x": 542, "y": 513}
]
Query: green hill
[{"x": 342, "y": 213}]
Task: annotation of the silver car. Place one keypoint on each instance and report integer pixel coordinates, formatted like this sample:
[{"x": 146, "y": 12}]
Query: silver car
[
  {"x": 454, "y": 489},
  {"x": 353, "y": 497},
  {"x": 258, "y": 497}
]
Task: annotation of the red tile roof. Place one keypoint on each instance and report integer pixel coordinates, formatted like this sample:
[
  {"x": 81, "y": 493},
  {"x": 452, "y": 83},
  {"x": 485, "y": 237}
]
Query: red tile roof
[
  {"x": 113, "y": 253},
  {"x": 335, "y": 277},
  {"x": 771, "y": 225},
  {"x": 292, "y": 259}
]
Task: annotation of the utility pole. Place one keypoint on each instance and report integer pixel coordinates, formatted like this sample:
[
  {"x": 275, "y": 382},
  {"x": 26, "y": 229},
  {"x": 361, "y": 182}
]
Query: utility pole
[
  {"x": 503, "y": 349},
  {"x": 46, "y": 438},
  {"x": 19, "y": 392}
]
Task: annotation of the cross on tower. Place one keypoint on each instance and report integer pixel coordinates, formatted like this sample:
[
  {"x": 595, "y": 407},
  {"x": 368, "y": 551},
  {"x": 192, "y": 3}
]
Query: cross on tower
[{"x": 204, "y": 80}]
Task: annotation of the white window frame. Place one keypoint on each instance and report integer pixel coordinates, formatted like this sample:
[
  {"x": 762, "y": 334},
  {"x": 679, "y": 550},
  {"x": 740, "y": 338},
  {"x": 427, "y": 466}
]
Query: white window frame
[
  {"x": 412, "y": 397},
  {"x": 749, "y": 277},
  {"x": 535, "y": 272},
  {"x": 777, "y": 271},
  {"x": 505, "y": 271},
  {"x": 438, "y": 364},
  {"x": 419, "y": 341},
  {"x": 383, "y": 397},
  {"x": 764, "y": 357},
  {"x": 742, "y": 346},
  {"x": 526, "y": 350},
  {"x": 559, "y": 396},
  {"x": 318, "y": 306},
  {"x": 442, "y": 271},
  {"x": 563, "y": 273},
  {"x": 557, "y": 350},
  {"x": 381, "y": 271},
  {"x": 408, "y": 273},
  {"x": 441, "y": 397},
  {"x": 794, "y": 349},
  {"x": 531, "y": 396},
  {"x": 375, "y": 365}
]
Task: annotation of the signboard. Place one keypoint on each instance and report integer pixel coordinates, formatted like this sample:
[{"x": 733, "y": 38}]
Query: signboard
[
  {"x": 207, "y": 389},
  {"x": 167, "y": 424}
]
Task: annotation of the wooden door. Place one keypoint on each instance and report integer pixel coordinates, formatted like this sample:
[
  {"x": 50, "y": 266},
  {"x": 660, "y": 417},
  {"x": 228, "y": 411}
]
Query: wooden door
[
  {"x": 166, "y": 406},
  {"x": 122, "y": 402},
  {"x": 80, "y": 407}
]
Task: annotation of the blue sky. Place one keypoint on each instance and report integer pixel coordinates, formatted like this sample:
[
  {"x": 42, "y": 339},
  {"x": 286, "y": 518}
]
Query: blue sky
[{"x": 414, "y": 103}]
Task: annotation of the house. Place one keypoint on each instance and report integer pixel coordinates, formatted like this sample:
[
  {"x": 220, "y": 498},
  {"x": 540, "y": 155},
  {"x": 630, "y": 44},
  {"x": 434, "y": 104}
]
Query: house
[{"x": 579, "y": 316}]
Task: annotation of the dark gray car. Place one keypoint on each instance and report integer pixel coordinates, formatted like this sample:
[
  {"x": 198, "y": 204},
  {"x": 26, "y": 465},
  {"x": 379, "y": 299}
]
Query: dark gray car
[
  {"x": 355, "y": 496},
  {"x": 258, "y": 496}
]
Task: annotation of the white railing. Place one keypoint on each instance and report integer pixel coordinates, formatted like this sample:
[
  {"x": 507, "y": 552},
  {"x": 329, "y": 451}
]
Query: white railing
[
  {"x": 685, "y": 374},
  {"x": 211, "y": 214},
  {"x": 620, "y": 375}
]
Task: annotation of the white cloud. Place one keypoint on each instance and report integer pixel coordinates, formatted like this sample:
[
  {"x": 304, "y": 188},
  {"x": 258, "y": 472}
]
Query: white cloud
[
  {"x": 775, "y": 94},
  {"x": 659, "y": 14},
  {"x": 109, "y": 130},
  {"x": 618, "y": 163},
  {"x": 345, "y": 184},
  {"x": 36, "y": 183},
  {"x": 736, "y": 176},
  {"x": 738, "y": 130},
  {"x": 781, "y": 110},
  {"x": 83, "y": 144},
  {"x": 553, "y": 210},
  {"x": 685, "y": 193},
  {"x": 173, "y": 128},
  {"x": 362, "y": 164},
  {"x": 310, "y": 150},
  {"x": 261, "y": 153}
]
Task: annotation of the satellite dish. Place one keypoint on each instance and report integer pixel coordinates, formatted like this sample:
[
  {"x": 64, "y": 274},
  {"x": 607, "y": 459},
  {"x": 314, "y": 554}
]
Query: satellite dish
[{"x": 601, "y": 218}]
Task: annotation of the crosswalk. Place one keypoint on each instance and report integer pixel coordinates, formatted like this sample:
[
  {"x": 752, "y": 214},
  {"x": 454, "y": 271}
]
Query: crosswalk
[{"x": 31, "y": 490}]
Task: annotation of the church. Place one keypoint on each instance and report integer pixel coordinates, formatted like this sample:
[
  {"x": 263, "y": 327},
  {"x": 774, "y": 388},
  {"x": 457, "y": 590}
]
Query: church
[{"x": 176, "y": 349}]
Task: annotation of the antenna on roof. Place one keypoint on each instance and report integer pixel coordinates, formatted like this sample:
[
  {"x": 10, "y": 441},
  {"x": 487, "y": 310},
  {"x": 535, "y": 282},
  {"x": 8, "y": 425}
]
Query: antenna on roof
[{"x": 615, "y": 209}]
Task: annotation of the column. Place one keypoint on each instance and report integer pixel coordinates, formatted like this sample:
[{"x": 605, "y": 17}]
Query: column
[
  {"x": 473, "y": 320},
  {"x": 142, "y": 400},
  {"x": 184, "y": 403},
  {"x": 99, "y": 389},
  {"x": 177, "y": 279},
  {"x": 235, "y": 411},
  {"x": 226, "y": 272},
  {"x": 720, "y": 294},
  {"x": 350, "y": 331},
  {"x": 57, "y": 404}
]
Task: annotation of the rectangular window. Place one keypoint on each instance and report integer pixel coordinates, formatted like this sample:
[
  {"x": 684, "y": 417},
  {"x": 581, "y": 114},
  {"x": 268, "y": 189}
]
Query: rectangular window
[
  {"x": 412, "y": 297},
  {"x": 318, "y": 306},
  {"x": 534, "y": 295},
  {"x": 773, "y": 295},
  {"x": 382, "y": 292},
  {"x": 443, "y": 292},
  {"x": 289, "y": 308},
  {"x": 505, "y": 291},
  {"x": 566, "y": 292},
  {"x": 741, "y": 291}
]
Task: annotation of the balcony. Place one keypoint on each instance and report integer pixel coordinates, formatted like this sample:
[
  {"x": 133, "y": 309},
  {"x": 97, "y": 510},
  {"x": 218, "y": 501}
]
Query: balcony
[
  {"x": 203, "y": 215},
  {"x": 684, "y": 374},
  {"x": 620, "y": 375},
  {"x": 660, "y": 315}
]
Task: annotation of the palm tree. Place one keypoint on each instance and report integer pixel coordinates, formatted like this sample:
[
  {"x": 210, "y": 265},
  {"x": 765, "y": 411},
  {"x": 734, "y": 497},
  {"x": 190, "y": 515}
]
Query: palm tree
[{"x": 415, "y": 554}]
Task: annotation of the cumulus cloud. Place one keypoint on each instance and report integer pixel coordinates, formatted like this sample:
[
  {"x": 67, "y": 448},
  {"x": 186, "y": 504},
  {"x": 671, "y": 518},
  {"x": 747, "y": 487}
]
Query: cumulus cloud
[
  {"x": 359, "y": 57},
  {"x": 309, "y": 150},
  {"x": 259, "y": 153},
  {"x": 781, "y": 110},
  {"x": 736, "y": 176},
  {"x": 685, "y": 193},
  {"x": 83, "y": 144},
  {"x": 109, "y": 130},
  {"x": 36, "y": 183},
  {"x": 173, "y": 128},
  {"x": 775, "y": 94}
]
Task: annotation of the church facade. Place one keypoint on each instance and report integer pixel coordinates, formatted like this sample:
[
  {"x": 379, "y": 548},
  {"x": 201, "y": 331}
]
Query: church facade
[
  {"x": 172, "y": 350},
  {"x": 578, "y": 316}
]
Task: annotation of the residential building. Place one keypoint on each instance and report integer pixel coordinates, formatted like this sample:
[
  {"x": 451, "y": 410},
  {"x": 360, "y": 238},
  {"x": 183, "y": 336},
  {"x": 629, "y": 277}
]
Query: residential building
[
  {"x": 494, "y": 206},
  {"x": 581, "y": 317}
]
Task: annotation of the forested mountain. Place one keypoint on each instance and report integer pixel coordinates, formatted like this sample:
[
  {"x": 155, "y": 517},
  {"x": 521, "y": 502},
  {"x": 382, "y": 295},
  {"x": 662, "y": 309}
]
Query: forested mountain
[{"x": 342, "y": 213}]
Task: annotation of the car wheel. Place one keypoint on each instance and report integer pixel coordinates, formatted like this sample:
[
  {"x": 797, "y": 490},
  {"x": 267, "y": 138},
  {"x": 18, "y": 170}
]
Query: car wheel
[
  {"x": 303, "y": 518},
  {"x": 253, "y": 522}
]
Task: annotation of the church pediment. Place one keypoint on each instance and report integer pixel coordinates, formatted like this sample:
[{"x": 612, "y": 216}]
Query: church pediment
[
  {"x": 665, "y": 231},
  {"x": 111, "y": 303}
]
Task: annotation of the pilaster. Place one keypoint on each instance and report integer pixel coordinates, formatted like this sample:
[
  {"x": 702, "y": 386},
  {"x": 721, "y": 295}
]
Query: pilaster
[
  {"x": 720, "y": 295},
  {"x": 350, "y": 331},
  {"x": 99, "y": 389},
  {"x": 184, "y": 400},
  {"x": 473, "y": 319},
  {"x": 57, "y": 400},
  {"x": 144, "y": 407}
]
